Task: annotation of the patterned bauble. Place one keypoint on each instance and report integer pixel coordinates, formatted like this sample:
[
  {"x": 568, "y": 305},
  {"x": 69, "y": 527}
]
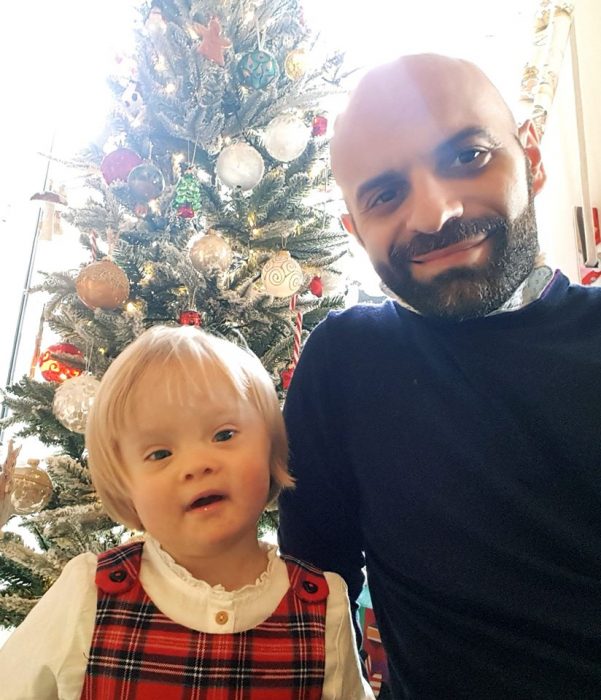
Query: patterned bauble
[
  {"x": 210, "y": 251},
  {"x": 240, "y": 165},
  {"x": 73, "y": 400},
  {"x": 282, "y": 276},
  {"x": 296, "y": 63},
  {"x": 286, "y": 137},
  {"x": 102, "y": 284},
  {"x": 257, "y": 69},
  {"x": 55, "y": 370},
  {"x": 146, "y": 182},
  {"x": 118, "y": 164},
  {"x": 190, "y": 318},
  {"x": 32, "y": 488},
  {"x": 186, "y": 201}
]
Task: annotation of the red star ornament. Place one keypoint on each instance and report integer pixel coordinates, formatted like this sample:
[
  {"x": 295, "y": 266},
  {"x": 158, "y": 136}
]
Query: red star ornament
[{"x": 213, "y": 43}]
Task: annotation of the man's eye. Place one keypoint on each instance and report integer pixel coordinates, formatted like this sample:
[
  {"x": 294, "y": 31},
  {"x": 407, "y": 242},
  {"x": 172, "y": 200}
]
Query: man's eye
[
  {"x": 383, "y": 198},
  {"x": 224, "y": 435},
  {"x": 472, "y": 158},
  {"x": 158, "y": 455}
]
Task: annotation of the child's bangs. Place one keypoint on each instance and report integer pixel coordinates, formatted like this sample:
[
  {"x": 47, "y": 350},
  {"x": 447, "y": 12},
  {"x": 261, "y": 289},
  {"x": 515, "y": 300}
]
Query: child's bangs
[{"x": 195, "y": 380}]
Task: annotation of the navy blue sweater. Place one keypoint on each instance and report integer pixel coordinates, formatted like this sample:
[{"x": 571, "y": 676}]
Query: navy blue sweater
[{"x": 464, "y": 459}]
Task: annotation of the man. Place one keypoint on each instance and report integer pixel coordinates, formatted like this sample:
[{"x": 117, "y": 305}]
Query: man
[{"x": 453, "y": 436}]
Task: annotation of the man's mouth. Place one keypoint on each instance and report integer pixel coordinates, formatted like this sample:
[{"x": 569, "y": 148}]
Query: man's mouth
[
  {"x": 205, "y": 500},
  {"x": 449, "y": 250}
]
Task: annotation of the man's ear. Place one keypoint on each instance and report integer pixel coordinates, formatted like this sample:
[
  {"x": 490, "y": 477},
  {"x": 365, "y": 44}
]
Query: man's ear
[
  {"x": 349, "y": 226},
  {"x": 530, "y": 140}
]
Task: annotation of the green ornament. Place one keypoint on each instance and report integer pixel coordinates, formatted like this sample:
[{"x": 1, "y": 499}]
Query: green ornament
[
  {"x": 257, "y": 69},
  {"x": 187, "y": 196}
]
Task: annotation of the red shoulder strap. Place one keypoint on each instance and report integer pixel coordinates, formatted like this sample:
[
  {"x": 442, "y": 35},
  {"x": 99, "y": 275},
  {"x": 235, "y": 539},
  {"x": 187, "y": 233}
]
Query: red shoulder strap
[
  {"x": 307, "y": 582},
  {"x": 118, "y": 568}
]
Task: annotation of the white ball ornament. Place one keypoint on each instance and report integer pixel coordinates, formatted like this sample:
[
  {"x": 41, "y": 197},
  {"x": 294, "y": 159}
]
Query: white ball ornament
[
  {"x": 240, "y": 165},
  {"x": 282, "y": 276},
  {"x": 210, "y": 251},
  {"x": 73, "y": 400},
  {"x": 286, "y": 137}
]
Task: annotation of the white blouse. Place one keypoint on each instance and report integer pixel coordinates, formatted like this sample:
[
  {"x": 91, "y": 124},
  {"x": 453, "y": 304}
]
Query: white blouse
[{"x": 46, "y": 656}]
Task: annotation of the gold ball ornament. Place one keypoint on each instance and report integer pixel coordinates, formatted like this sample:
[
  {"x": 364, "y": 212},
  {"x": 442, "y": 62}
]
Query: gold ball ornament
[
  {"x": 73, "y": 400},
  {"x": 103, "y": 285},
  {"x": 296, "y": 64},
  {"x": 210, "y": 251},
  {"x": 282, "y": 276},
  {"x": 32, "y": 488}
]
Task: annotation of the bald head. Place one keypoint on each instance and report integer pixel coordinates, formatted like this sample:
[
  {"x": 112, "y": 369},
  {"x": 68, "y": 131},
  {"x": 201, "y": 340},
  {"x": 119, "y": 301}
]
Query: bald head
[{"x": 397, "y": 97}]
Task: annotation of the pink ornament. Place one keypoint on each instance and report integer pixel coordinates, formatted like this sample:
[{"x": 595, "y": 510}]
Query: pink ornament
[
  {"x": 118, "y": 164},
  {"x": 320, "y": 126}
]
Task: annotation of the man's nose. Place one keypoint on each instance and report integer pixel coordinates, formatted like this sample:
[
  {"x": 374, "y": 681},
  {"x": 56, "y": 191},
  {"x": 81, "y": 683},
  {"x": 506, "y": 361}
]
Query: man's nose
[{"x": 431, "y": 203}]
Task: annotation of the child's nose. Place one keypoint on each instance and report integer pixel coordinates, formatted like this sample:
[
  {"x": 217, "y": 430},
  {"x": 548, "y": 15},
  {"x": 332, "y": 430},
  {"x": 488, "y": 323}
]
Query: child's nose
[{"x": 200, "y": 461}]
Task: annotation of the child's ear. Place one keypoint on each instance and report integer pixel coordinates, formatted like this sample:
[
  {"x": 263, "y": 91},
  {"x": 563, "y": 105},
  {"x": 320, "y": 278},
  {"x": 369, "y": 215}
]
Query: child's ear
[{"x": 530, "y": 140}]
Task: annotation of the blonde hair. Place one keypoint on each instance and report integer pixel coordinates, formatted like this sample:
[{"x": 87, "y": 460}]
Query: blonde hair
[{"x": 162, "y": 349}]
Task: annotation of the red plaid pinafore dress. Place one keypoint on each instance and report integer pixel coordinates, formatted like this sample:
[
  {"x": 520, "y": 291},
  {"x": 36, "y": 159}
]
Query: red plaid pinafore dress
[{"x": 137, "y": 653}]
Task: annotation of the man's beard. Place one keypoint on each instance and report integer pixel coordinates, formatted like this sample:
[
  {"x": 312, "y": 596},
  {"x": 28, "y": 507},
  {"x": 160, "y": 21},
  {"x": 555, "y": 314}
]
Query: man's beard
[{"x": 466, "y": 292}]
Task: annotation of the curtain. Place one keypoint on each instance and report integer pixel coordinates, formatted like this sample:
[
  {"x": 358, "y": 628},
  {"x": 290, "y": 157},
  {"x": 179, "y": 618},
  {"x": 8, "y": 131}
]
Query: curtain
[{"x": 539, "y": 81}]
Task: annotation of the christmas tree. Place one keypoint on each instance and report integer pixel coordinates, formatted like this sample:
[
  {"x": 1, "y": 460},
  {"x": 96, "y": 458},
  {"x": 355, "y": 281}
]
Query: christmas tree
[{"x": 208, "y": 206}]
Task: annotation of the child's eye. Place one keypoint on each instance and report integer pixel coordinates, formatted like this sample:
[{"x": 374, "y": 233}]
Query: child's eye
[
  {"x": 224, "y": 435},
  {"x": 158, "y": 455}
]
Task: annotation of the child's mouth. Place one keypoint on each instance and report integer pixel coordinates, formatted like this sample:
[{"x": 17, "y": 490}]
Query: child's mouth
[{"x": 205, "y": 501}]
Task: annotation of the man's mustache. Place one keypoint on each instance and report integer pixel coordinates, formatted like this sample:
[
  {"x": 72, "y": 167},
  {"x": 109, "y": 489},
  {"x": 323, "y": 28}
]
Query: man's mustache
[{"x": 454, "y": 231}]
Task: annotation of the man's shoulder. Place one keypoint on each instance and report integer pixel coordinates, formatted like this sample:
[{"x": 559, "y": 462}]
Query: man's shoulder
[{"x": 362, "y": 316}]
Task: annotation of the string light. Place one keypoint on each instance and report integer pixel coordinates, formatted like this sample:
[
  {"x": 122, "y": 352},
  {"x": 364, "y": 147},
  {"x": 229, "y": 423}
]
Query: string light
[{"x": 154, "y": 206}]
